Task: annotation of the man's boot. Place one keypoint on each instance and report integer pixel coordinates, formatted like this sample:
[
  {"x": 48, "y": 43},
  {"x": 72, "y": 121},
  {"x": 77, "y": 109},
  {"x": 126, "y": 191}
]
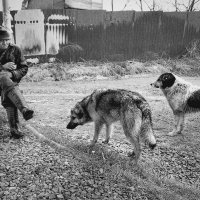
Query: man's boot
[
  {"x": 13, "y": 121},
  {"x": 18, "y": 100}
]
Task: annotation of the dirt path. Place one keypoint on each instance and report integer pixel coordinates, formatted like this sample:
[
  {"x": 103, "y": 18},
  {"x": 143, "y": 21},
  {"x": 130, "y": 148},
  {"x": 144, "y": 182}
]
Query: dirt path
[{"x": 31, "y": 170}]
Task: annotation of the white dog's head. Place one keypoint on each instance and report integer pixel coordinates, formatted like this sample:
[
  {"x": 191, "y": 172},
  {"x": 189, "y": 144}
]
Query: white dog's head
[{"x": 164, "y": 81}]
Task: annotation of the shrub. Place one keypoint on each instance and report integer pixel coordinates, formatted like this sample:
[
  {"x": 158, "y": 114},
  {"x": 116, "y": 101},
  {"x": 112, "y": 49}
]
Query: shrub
[{"x": 70, "y": 52}]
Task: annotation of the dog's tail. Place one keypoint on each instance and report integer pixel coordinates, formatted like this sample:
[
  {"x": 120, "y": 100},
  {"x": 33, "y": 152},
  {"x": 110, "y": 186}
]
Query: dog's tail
[{"x": 146, "y": 132}]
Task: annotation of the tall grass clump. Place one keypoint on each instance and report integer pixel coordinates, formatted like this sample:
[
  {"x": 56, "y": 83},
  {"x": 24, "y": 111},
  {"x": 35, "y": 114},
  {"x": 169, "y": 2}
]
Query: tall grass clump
[
  {"x": 120, "y": 69},
  {"x": 193, "y": 49},
  {"x": 47, "y": 71},
  {"x": 188, "y": 62},
  {"x": 59, "y": 72}
]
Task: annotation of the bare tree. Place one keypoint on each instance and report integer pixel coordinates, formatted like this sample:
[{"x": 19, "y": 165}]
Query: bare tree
[
  {"x": 152, "y": 6},
  {"x": 129, "y": 1},
  {"x": 190, "y": 6},
  {"x": 126, "y": 3},
  {"x": 189, "y": 9},
  {"x": 147, "y": 5},
  {"x": 140, "y": 4},
  {"x": 175, "y": 4},
  {"x": 112, "y": 5},
  {"x": 141, "y": 7}
]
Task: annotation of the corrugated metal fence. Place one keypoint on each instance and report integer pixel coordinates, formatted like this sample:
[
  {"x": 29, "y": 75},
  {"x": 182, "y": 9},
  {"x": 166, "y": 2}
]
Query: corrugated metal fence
[{"x": 110, "y": 35}]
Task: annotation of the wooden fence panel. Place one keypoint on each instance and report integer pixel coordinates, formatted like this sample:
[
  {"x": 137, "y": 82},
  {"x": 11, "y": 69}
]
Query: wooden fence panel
[
  {"x": 29, "y": 31},
  {"x": 111, "y": 35},
  {"x": 118, "y": 34},
  {"x": 90, "y": 32},
  {"x": 60, "y": 29}
]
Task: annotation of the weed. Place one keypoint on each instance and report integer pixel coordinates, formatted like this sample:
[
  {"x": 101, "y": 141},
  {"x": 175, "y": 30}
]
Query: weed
[{"x": 193, "y": 49}]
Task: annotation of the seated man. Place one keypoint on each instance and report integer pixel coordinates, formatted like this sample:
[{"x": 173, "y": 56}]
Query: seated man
[{"x": 12, "y": 68}]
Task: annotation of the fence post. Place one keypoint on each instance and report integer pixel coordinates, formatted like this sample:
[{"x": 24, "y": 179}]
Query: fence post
[{"x": 7, "y": 17}]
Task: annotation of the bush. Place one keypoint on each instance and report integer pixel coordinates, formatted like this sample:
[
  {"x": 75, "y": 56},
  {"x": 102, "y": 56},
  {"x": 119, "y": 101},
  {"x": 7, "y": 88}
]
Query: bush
[{"x": 70, "y": 52}]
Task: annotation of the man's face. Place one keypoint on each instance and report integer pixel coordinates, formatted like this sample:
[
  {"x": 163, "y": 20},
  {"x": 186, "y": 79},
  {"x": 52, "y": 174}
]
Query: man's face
[{"x": 4, "y": 43}]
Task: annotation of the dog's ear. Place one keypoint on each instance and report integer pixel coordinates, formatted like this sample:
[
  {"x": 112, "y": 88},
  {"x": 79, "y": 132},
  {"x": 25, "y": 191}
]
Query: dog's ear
[
  {"x": 95, "y": 95},
  {"x": 98, "y": 92},
  {"x": 167, "y": 79}
]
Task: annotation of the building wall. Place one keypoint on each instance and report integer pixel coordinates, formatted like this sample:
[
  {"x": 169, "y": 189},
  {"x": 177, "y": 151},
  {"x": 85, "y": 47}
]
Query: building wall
[
  {"x": 46, "y": 4},
  {"x": 61, "y": 4},
  {"x": 85, "y": 4}
]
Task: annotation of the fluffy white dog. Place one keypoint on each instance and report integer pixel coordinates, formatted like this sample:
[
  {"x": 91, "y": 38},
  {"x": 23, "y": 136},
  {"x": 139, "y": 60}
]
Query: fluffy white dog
[{"x": 182, "y": 96}]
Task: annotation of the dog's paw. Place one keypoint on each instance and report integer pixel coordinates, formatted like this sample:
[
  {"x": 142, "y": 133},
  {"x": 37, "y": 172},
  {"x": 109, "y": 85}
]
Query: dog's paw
[
  {"x": 131, "y": 154},
  {"x": 152, "y": 146},
  {"x": 173, "y": 133},
  {"x": 91, "y": 146},
  {"x": 92, "y": 143},
  {"x": 105, "y": 141},
  {"x": 133, "y": 159},
  {"x": 90, "y": 149}
]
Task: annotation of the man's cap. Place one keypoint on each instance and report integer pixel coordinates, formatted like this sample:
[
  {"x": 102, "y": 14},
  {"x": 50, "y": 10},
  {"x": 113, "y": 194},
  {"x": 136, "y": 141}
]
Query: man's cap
[{"x": 4, "y": 33}]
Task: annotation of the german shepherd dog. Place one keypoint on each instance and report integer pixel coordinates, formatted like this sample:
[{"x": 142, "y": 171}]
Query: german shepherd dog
[
  {"x": 182, "y": 96},
  {"x": 108, "y": 106}
]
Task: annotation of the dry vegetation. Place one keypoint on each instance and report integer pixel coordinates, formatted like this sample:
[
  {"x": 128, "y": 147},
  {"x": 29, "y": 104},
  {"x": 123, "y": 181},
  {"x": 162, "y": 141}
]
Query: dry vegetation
[{"x": 100, "y": 70}]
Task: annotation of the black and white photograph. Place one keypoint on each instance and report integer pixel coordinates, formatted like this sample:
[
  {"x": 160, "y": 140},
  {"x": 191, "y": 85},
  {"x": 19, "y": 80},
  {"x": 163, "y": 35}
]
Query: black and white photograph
[{"x": 100, "y": 99}]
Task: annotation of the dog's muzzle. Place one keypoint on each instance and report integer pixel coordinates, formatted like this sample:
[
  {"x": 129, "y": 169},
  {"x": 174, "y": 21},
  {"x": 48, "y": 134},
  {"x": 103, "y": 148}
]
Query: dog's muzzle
[
  {"x": 72, "y": 125},
  {"x": 152, "y": 146},
  {"x": 156, "y": 85}
]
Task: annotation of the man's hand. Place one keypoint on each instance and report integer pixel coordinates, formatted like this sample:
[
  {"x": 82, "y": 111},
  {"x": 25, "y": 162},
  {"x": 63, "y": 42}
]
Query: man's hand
[{"x": 9, "y": 66}]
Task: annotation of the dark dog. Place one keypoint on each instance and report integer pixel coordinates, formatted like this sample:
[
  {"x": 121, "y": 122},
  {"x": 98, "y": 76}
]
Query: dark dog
[{"x": 108, "y": 106}]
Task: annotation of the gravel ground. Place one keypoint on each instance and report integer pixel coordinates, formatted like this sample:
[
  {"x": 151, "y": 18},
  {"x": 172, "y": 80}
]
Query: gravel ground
[{"x": 30, "y": 169}]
